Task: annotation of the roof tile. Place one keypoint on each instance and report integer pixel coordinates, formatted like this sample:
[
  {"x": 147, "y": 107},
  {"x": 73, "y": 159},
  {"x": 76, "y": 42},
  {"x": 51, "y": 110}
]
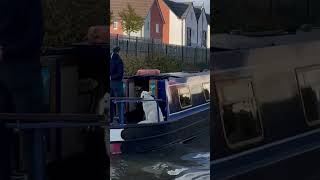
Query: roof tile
[{"x": 141, "y": 7}]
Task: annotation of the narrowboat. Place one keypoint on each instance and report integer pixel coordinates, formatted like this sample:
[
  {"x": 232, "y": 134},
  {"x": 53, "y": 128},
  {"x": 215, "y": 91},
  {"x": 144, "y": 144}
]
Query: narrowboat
[
  {"x": 266, "y": 112},
  {"x": 183, "y": 99}
]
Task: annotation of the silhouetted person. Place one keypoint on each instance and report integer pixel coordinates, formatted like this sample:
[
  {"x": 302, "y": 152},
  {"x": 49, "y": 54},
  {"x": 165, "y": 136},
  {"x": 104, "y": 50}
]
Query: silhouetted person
[
  {"x": 116, "y": 77},
  {"x": 21, "y": 35}
]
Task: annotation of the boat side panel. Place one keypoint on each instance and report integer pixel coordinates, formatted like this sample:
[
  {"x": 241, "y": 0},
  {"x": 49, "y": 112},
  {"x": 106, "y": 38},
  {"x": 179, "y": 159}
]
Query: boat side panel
[
  {"x": 148, "y": 138},
  {"x": 194, "y": 84},
  {"x": 163, "y": 135},
  {"x": 272, "y": 72}
]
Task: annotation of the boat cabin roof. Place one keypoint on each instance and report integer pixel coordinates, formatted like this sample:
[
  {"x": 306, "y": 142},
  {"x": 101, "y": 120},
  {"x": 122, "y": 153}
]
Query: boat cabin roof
[
  {"x": 164, "y": 76},
  {"x": 232, "y": 42}
]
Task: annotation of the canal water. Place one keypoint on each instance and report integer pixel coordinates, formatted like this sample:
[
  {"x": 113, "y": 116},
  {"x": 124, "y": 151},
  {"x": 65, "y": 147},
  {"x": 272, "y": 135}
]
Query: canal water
[{"x": 187, "y": 161}]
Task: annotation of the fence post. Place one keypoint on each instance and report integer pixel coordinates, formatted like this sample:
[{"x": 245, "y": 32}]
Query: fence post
[
  {"x": 117, "y": 39},
  {"x": 166, "y": 49},
  {"x": 181, "y": 58},
  {"x": 195, "y": 55},
  {"x": 148, "y": 49},
  {"x": 127, "y": 47},
  {"x": 136, "y": 47},
  {"x": 152, "y": 47}
]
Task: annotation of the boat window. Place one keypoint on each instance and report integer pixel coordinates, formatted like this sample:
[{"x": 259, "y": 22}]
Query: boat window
[
  {"x": 184, "y": 97},
  {"x": 239, "y": 113},
  {"x": 206, "y": 91},
  {"x": 309, "y": 84}
]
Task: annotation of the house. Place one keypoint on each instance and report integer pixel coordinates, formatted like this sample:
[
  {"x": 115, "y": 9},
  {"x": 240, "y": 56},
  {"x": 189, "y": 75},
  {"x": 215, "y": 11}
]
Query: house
[
  {"x": 180, "y": 23},
  {"x": 203, "y": 36},
  {"x": 142, "y": 8},
  {"x": 154, "y": 22},
  {"x": 168, "y": 21}
]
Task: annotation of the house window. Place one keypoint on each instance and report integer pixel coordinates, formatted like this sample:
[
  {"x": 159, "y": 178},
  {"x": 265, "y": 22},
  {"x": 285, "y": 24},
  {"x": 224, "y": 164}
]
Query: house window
[
  {"x": 189, "y": 31},
  {"x": 204, "y": 39},
  {"x": 157, "y": 28},
  {"x": 184, "y": 97},
  {"x": 115, "y": 24},
  {"x": 206, "y": 91},
  {"x": 309, "y": 84},
  {"x": 239, "y": 113}
]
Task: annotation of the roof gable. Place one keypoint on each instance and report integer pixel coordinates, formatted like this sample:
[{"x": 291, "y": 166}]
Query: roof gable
[
  {"x": 179, "y": 9},
  {"x": 158, "y": 6},
  {"x": 208, "y": 18},
  {"x": 198, "y": 11},
  {"x": 188, "y": 10}
]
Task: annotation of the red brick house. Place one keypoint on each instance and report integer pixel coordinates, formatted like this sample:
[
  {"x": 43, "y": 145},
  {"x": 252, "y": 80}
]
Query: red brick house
[
  {"x": 154, "y": 22},
  {"x": 142, "y": 8},
  {"x": 166, "y": 20}
]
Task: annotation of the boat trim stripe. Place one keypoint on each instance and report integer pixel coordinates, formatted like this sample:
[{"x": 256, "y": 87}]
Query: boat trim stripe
[
  {"x": 163, "y": 134},
  {"x": 196, "y": 107},
  {"x": 218, "y": 161}
]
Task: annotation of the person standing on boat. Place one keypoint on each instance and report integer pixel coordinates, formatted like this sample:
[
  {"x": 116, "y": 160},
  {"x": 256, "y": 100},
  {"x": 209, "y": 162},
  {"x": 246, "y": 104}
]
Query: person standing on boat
[
  {"x": 116, "y": 77},
  {"x": 21, "y": 35}
]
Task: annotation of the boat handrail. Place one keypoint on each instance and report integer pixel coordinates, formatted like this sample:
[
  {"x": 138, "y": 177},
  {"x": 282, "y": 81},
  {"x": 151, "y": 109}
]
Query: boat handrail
[
  {"x": 132, "y": 99},
  {"x": 123, "y": 100}
]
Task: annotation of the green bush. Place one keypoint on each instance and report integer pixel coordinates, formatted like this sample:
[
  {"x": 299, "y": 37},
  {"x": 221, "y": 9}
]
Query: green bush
[{"x": 164, "y": 64}]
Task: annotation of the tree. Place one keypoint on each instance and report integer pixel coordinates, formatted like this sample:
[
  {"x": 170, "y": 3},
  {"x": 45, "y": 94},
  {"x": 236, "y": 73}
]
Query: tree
[{"x": 131, "y": 21}]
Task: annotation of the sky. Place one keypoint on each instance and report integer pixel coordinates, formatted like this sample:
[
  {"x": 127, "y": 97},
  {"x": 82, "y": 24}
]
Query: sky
[{"x": 199, "y": 2}]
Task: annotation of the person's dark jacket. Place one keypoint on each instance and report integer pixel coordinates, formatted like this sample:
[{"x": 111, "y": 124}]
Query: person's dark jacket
[
  {"x": 116, "y": 67},
  {"x": 21, "y": 29}
]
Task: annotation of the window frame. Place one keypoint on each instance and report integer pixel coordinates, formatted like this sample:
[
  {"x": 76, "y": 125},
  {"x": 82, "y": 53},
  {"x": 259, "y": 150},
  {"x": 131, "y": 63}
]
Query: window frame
[
  {"x": 115, "y": 24},
  {"x": 221, "y": 103},
  {"x": 180, "y": 87},
  {"x": 302, "y": 70},
  {"x": 203, "y": 89},
  {"x": 158, "y": 28}
]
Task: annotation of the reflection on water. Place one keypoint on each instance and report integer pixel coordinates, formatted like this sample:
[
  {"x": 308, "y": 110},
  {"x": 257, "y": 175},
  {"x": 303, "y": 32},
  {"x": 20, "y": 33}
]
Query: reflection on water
[{"x": 189, "y": 161}]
